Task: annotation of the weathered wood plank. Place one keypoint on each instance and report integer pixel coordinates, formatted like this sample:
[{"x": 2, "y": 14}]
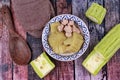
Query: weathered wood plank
[
  {"x": 113, "y": 18},
  {"x": 96, "y": 33},
  {"x": 53, "y": 2},
  {"x": 15, "y": 71},
  {"x": 78, "y": 8},
  {"x": 5, "y": 60},
  {"x": 63, "y": 70},
  {"x": 5, "y": 2},
  {"x": 36, "y": 47},
  {"x": 20, "y": 72},
  {"x": 1, "y": 60},
  {"x": 66, "y": 70},
  {"x": 63, "y": 6}
]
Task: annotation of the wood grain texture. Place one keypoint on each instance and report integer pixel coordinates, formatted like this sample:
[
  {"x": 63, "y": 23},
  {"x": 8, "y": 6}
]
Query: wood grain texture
[
  {"x": 63, "y": 70},
  {"x": 5, "y": 59},
  {"x": 113, "y": 18},
  {"x": 96, "y": 33},
  {"x": 63, "y": 6},
  {"x": 68, "y": 70},
  {"x": 36, "y": 48},
  {"x": 20, "y": 72},
  {"x": 79, "y": 8},
  {"x": 5, "y": 2}
]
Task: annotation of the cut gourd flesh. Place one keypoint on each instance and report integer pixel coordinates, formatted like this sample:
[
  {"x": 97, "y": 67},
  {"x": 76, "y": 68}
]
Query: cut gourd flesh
[
  {"x": 103, "y": 51},
  {"x": 96, "y": 13},
  {"x": 55, "y": 40},
  {"x": 74, "y": 43},
  {"x": 53, "y": 27},
  {"x": 42, "y": 65},
  {"x": 94, "y": 62}
]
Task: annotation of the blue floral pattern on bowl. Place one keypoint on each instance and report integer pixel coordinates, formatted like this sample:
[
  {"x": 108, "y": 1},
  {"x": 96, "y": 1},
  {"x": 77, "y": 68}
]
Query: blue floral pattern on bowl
[{"x": 83, "y": 29}]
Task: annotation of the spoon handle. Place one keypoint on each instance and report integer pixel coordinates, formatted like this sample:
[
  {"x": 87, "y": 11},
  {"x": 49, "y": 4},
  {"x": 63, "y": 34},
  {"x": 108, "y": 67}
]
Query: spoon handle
[{"x": 7, "y": 19}]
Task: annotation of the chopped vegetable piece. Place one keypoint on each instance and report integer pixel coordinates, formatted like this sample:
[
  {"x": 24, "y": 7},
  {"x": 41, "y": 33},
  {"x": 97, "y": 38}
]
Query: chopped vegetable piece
[
  {"x": 54, "y": 27},
  {"x": 42, "y": 65},
  {"x": 102, "y": 53},
  {"x": 96, "y": 13},
  {"x": 74, "y": 43}
]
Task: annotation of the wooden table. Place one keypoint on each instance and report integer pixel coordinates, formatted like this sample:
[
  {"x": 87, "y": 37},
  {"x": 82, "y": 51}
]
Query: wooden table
[{"x": 70, "y": 70}]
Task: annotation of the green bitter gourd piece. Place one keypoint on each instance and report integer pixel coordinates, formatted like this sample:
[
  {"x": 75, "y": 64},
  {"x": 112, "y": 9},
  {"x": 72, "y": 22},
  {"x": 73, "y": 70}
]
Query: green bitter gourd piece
[
  {"x": 103, "y": 51},
  {"x": 42, "y": 65},
  {"x": 96, "y": 13}
]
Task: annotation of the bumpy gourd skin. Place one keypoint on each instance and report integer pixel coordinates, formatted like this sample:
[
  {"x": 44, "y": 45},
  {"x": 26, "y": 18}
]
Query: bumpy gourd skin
[
  {"x": 42, "y": 65},
  {"x": 96, "y": 13},
  {"x": 103, "y": 51}
]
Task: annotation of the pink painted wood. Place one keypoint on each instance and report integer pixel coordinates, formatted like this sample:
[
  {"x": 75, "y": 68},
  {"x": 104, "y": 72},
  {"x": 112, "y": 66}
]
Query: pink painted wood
[{"x": 68, "y": 70}]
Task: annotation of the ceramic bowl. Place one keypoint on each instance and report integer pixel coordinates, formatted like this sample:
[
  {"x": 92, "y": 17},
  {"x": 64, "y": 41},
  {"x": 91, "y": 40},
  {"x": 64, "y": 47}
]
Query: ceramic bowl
[{"x": 83, "y": 28}]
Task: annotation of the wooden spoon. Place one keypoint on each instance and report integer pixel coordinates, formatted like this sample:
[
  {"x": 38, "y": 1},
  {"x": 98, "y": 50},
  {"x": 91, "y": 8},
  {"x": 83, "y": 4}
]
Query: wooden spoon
[{"x": 19, "y": 50}]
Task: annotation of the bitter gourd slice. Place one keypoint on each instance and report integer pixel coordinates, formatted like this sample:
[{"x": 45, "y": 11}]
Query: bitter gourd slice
[
  {"x": 56, "y": 40},
  {"x": 74, "y": 43},
  {"x": 96, "y": 13},
  {"x": 108, "y": 40},
  {"x": 42, "y": 65},
  {"x": 102, "y": 52},
  {"x": 53, "y": 27}
]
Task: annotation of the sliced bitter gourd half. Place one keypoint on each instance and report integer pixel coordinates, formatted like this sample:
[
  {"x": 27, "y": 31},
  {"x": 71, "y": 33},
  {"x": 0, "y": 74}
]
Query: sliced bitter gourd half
[
  {"x": 53, "y": 27},
  {"x": 42, "y": 65},
  {"x": 103, "y": 51},
  {"x": 96, "y": 13}
]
